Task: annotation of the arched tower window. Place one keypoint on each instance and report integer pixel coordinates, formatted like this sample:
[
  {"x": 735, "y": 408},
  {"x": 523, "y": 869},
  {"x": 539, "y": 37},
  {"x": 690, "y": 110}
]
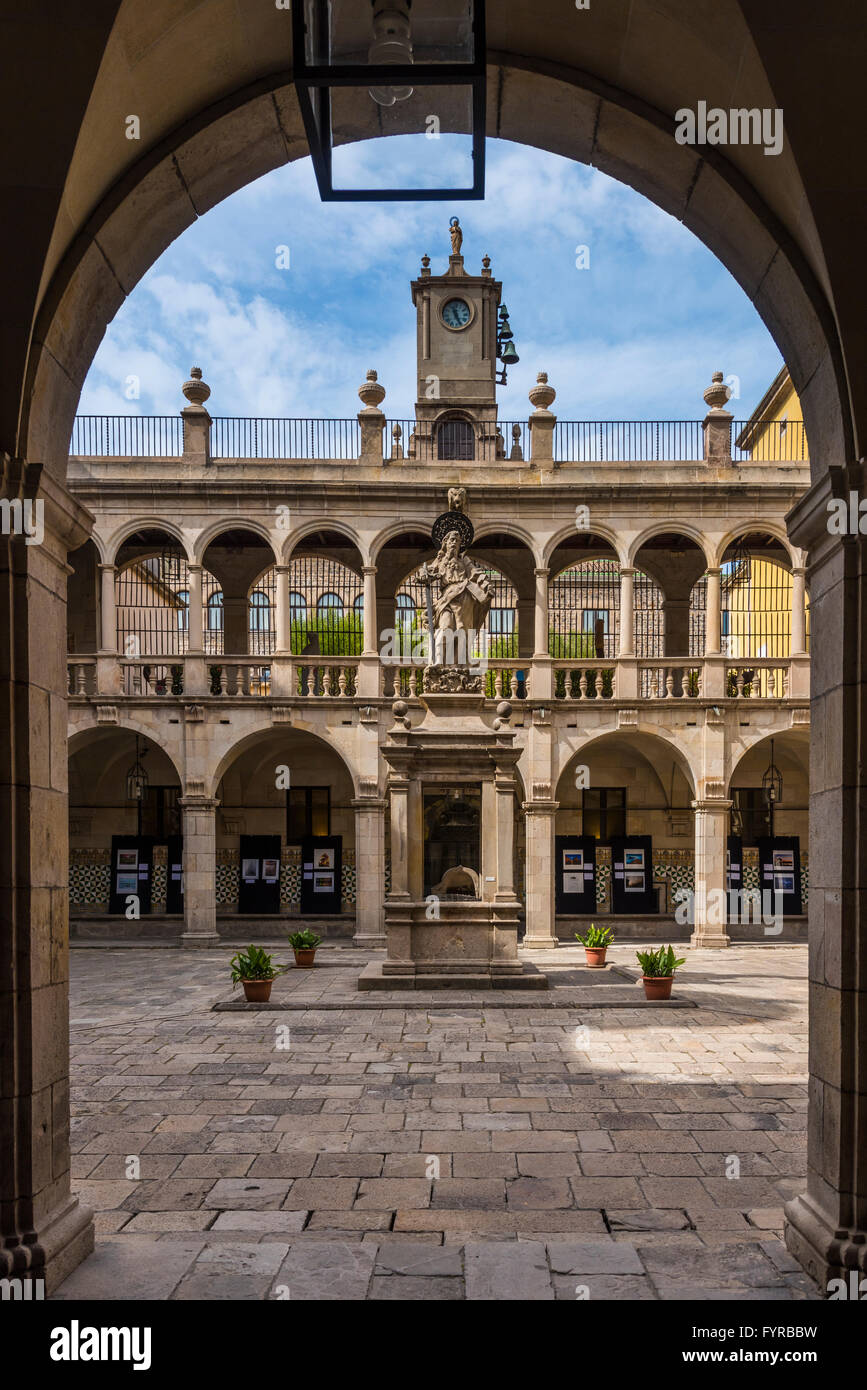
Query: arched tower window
[{"x": 456, "y": 441}]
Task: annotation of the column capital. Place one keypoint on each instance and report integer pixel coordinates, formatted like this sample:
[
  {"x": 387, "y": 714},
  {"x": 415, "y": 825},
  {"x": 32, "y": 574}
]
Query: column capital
[
  {"x": 108, "y": 567},
  {"x": 369, "y": 569},
  {"x": 713, "y": 805},
  {"x": 542, "y": 571}
]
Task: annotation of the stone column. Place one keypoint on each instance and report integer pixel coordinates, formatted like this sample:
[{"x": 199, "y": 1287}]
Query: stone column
[
  {"x": 711, "y": 829},
  {"x": 541, "y": 682},
  {"x": 369, "y": 868},
  {"x": 282, "y": 633},
  {"x": 799, "y": 614},
  {"x": 541, "y": 815},
  {"x": 108, "y": 670},
  {"x": 195, "y": 635},
  {"x": 398, "y": 789},
  {"x": 44, "y": 1232},
  {"x": 200, "y": 868},
  {"x": 108, "y": 610},
  {"x": 627, "y": 613},
  {"x": 504, "y": 787},
  {"x": 827, "y": 1226},
  {"x": 368, "y": 666},
  {"x": 195, "y": 675},
  {"x": 712, "y": 613}
]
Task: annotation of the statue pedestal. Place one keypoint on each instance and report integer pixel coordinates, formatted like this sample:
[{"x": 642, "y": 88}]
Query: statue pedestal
[{"x": 438, "y": 939}]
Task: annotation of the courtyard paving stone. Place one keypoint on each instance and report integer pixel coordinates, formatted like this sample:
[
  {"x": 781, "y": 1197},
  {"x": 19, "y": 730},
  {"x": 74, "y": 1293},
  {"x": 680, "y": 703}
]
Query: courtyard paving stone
[{"x": 581, "y": 1140}]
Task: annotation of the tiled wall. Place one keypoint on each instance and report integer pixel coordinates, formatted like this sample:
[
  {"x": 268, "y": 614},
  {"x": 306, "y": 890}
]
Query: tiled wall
[{"x": 89, "y": 876}]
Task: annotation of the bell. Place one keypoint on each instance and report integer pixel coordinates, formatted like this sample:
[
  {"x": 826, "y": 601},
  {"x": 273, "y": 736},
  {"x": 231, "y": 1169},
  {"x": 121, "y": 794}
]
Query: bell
[
  {"x": 504, "y": 331},
  {"x": 504, "y": 313},
  {"x": 509, "y": 356}
]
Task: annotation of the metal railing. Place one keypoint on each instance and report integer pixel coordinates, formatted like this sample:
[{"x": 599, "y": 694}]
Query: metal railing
[
  {"x": 127, "y": 436},
  {"x": 575, "y": 441},
  {"x": 628, "y": 441},
  {"x": 236, "y": 437},
  {"x": 769, "y": 441}
]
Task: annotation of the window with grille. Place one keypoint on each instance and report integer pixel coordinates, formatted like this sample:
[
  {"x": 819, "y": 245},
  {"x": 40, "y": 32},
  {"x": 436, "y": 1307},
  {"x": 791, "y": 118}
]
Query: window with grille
[{"x": 456, "y": 441}]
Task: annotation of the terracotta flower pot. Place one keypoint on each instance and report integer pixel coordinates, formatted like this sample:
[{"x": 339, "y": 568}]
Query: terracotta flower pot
[
  {"x": 657, "y": 986},
  {"x": 304, "y": 959},
  {"x": 595, "y": 956},
  {"x": 257, "y": 991}
]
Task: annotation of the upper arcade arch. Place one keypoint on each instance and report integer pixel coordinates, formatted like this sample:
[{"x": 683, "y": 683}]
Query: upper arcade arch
[
  {"x": 111, "y": 546},
  {"x": 679, "y": 529}
]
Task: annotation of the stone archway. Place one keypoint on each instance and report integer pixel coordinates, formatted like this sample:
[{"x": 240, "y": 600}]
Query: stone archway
[{"x": 94, "y": 221}]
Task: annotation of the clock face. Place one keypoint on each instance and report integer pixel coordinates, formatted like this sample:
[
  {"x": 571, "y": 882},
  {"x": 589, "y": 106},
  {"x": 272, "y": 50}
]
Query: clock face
[{"x": 456, "y": 313}]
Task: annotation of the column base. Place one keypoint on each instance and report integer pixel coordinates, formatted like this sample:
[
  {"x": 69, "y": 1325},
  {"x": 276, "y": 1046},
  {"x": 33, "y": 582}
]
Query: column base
[
  {"x": 539, "y": 943},
  {"x": 824, "y": 1252},
  {"x": 709, "y": 941},
  {"x": 370, "y": 941},
  {"x": 66, "y": 1238},
  {"x": 199, "y": 941}
]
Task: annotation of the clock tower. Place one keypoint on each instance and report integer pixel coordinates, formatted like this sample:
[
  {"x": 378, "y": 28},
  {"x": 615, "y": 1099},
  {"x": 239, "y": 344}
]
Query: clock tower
[{"x": 456, "y": 406}]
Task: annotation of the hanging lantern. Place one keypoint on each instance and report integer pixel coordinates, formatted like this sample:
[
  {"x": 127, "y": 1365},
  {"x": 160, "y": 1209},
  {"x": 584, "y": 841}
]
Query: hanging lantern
[
  {"x": 737, "y": 566},
  {"x": 416, "y": 61},
  {"x": 772, "y": 782},
  {"x": 137, "y": 778}
]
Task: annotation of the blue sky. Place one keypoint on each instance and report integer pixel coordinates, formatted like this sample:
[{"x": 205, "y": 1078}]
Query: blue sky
[{"x": 634, "y": 336}]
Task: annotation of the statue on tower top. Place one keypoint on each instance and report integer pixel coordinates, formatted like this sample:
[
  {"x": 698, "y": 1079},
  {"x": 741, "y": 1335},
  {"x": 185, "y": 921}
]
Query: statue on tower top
[{"x": 457, "y": 236}]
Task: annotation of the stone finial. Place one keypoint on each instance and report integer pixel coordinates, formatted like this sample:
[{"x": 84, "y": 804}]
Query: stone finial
[
  {"x": 517, "y": 453},
  {"x": 504, "y": 715},
  {"x": 371, "y": 392},
  {"x": 425, "y": 265},
  {"x": 196, "y": 390},
  {"x": 400, "y": 710},
  {"x": 542, "y": 396},
  {"x": 717, "y": 394},
  {"x": 486, "y": 265}
]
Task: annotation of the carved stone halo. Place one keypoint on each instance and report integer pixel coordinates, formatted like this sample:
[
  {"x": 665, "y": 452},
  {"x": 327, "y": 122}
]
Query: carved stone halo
[{"x": 453, "y": 521}]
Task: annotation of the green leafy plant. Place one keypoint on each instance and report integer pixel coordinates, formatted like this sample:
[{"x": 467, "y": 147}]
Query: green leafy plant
[
  {"x": 254, "y": 964},
  {"x": 304, "y": 940},
  {"x": 659, "y": 964},
  {"x": 595, "y": 937}
]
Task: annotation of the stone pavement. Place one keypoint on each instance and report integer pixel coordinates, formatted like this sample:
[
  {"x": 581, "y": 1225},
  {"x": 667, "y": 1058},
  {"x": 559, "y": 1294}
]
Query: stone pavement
[{"x": 421, "y": 1146}]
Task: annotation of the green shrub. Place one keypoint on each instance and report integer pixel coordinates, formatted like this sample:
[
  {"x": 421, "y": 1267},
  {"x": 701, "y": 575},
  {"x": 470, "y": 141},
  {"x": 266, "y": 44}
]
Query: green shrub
[
  {"x": 659, "y": 963},
  {"x": 304, "y": 940},
  {"x": 595, "y": 937},
  {"x": 254, "y": 964}
]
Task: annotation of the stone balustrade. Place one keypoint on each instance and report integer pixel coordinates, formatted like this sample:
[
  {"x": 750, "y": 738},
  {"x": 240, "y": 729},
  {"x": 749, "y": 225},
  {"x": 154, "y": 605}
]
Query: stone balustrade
[{"x": 603, "y": 680}]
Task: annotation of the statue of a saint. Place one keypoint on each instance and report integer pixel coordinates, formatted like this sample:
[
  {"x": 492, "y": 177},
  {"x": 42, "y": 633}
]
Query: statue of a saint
[
  {"x": 464, "y": 601},
  {"x": 457, "y": 236}
]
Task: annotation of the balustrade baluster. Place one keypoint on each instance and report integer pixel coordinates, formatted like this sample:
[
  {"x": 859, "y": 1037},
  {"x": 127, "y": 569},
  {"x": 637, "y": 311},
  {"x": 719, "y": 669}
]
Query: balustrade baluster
[
  {"x": 341, "y": 682},
  {"x": 669, "y": 683},
  {"x": 513, "y": 685},
  {"x": 739, "y": 681},
  {"x": 498, "y": 684},
  {"x": 582, "y": 686},
  {"x": 413, "y": 683},
  {"x": 326, "y": 682}
]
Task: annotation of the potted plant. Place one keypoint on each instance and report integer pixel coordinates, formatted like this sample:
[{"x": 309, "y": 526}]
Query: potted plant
[
  {"x": 256, "y": 971},
  {"x": 658, "y": 969},
  {"x": 595, "y": 943},
  {"x": 304, "y": 945}
]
